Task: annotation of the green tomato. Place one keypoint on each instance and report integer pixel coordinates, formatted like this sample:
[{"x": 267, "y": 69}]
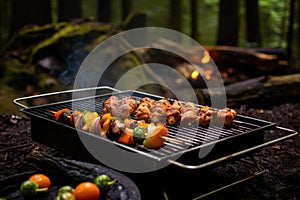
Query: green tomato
[
  {"x": 103, "y": 181},
  {"x": 66, "y": 188},
  {"x": 65, "y": 196},
  {"x": 29, "y": 188}
]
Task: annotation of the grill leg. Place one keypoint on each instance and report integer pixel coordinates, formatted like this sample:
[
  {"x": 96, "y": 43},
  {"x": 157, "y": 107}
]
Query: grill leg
[{"x": 260, "y": 171}]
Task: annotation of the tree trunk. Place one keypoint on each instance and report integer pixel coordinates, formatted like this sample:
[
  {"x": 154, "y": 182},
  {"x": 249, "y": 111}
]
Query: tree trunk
[
  {"x": 297, "y": 40},
  {"x": 69, "y": 9},
  {"x": 135, "y": 20},
  {"x": 4, "y": 21},
  {"x": 194, "y": 19},
  {"x": 252, "y": 18},
  {"x": 29, "y": 12},
  {"x": 228, "y": 23},
  {"x": 175, "y": 21},
  {"x": 126, "y": 8},
  {"x": 293, "y": 36},
  {"x": 104, "y": 11}
]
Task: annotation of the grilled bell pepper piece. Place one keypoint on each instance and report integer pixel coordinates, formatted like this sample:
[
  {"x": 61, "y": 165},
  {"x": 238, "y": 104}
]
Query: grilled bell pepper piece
[
  {"x": 58, "y": 113},
  {"x": 126, "y": 137},
  {"x": 154, "y": 137},
  {"x": 143, "y": 123},
  {"x": 89, "y": 120},
  {"x": 105, "y": 123},
  {"x": 139, "y": 134},
  {"x": 66, "y": 118}
]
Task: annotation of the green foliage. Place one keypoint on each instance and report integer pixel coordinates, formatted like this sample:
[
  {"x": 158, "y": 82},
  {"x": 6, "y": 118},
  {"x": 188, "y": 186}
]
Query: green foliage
[
  {"x": 273, "y": 18},
  {"x": 274, "y": 22},
  {"x": 17, "y": 75}
]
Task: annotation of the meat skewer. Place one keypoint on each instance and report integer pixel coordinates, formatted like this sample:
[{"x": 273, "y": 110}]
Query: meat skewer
[
  {"x": 92, "y": 122},
  {"x": 116, "y": 114},
  {"x": 162, "y": 111}
]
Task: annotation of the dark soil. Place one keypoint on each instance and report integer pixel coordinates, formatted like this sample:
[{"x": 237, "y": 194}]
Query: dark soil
[{"x": 281, "y": 160}]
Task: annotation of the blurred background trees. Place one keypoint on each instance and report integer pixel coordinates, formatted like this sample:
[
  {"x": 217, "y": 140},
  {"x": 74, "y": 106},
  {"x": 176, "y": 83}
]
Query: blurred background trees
[
  {"x": 246, "y": 23},
  {"x": 38, "y": 59}
]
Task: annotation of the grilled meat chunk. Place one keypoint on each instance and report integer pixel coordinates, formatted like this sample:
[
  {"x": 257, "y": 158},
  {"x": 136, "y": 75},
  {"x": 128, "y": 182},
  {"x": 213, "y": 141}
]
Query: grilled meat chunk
[
  {"x": 206, "y": 115},
  {"x": 228, "y": 115},
  {"x": 127, "y": 107},
  {"x": 158, "y": 111},
  {"x": 111, "y": 105},
  {"x": 174, "y": 113},
  {"x": 189, "y": 115},
  {"x": 143, "y": 110}
]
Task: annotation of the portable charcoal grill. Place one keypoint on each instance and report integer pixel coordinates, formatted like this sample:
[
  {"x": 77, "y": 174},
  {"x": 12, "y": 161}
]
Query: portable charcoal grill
[{"x": 246, "y": 135}]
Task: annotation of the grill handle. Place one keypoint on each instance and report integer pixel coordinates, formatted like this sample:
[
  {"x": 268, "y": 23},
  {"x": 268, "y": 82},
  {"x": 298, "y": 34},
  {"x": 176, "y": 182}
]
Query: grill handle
[
  {"x": 291, "y": 132},
  {"x": 17, "y": 100}
]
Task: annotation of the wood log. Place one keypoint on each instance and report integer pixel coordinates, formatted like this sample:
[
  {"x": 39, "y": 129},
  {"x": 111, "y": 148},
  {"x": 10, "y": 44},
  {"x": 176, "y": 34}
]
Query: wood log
[
  {"x": 247, "y": 59},
  {"x": 261, "y": 91}
]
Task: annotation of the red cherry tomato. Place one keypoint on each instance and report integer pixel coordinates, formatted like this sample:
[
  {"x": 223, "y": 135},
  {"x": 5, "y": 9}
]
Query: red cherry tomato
[
  {"x": 87, "y": 191},
  {"x": 42, "y": 180}
]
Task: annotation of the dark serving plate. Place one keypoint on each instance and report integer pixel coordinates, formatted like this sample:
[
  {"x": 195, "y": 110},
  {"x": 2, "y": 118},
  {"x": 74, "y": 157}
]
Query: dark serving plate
[{"x": 70, "y": 172}]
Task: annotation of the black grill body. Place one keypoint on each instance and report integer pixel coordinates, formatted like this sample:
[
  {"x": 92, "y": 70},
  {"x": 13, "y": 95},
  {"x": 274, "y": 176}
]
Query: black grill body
[{"x": 245, "y": 132}]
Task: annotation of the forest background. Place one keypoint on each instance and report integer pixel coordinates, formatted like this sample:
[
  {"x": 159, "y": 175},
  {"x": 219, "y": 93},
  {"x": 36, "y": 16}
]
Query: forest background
[
  {"x": 273, "y": 16},
  {"x": 271, "y": 26}
]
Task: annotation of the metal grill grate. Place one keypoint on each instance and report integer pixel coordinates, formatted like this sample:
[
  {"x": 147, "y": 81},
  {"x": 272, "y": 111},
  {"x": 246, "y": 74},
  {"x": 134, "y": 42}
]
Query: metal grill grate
[{"x": 190, "y": 138}]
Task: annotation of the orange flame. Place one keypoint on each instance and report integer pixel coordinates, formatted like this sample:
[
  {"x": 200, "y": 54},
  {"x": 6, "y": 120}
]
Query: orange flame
[
  {"x": 195, "y": 74},
  {"x": 206, "y": 57}
]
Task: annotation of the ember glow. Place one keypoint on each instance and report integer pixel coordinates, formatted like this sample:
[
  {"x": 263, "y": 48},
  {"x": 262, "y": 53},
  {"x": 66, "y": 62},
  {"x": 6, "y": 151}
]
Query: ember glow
[
  {"x": 195, "y": 74},
  {"x": 206, "y": 58},
  {"x": 224, "y": 74},
  {"x": 208, "y": 74}
]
